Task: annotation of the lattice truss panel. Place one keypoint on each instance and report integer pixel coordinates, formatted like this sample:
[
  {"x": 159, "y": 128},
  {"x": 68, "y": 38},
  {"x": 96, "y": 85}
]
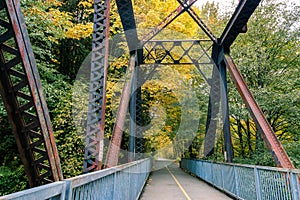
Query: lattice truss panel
[
  {"x": 178, "y": 52},
  {"x": 23, "y": 98},
  {"x": 96, "y": 109}
]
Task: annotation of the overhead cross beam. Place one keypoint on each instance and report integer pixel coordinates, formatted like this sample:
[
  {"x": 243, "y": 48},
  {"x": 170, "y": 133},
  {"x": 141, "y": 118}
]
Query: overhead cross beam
[
  {"x": 179, "y": 52},
  {"x": 169, "y": 19},
  {"x": 185, "y": 6}
]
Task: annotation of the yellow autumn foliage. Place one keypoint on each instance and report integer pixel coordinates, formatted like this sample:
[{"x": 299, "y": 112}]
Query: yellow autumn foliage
[
  {"x": 61, "y": 24},
  {"x": 80, "y": 31},
  {"x": 151, "y": 12},
  {"x": 86, "y": 3}
]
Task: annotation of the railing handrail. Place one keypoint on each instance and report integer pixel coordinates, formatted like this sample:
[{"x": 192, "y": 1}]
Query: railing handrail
[
  {"x": 63, "y": 189},
  {"x": 92, "y": 176},
  {"x": 247, "y": 181},
  {"x": 41, "y": 192},
  {"x": 297, "y": 171}
]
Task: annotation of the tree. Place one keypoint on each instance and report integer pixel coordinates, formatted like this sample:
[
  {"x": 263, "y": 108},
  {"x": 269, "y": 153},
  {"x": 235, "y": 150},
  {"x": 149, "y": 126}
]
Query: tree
[{"x": 267, "y": 56}]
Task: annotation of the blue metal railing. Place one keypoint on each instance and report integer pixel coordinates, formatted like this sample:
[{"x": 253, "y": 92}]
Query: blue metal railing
[
  {"x": 247, "y": 181},
  {"x": 123, "y": 182}
]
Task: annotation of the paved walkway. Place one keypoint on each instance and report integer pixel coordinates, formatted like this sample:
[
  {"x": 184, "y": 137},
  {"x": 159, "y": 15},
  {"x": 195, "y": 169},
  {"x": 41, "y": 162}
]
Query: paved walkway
[{"x": 169, "y": 182}]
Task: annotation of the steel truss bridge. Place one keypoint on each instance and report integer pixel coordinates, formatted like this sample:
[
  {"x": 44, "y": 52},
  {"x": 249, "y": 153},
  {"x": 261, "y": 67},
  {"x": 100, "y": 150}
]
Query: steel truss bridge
[{"x": 22, "y": 94}]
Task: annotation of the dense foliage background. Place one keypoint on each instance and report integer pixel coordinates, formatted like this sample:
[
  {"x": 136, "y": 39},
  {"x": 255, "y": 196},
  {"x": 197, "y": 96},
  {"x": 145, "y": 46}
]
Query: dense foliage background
[{"x": 268, "y": 56}]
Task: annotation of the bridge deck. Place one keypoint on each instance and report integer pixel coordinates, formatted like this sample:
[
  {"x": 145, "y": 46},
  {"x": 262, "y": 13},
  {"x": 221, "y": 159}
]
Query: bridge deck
[{"x": 170, "y": 182}]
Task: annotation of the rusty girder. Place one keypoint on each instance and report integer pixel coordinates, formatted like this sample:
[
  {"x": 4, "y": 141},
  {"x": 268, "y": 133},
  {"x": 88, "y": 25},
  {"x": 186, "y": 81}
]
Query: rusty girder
[
  {"x": 277, "y": 151},
  {"x": 94, "y": 143},
  {"x": 115, "y": 143},
  {"x": 23, "y": 98}
]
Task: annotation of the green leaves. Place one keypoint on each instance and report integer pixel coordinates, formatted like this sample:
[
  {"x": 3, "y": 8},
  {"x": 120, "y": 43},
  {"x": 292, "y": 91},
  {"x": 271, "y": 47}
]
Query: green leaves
[
  {"x": 267, "y": 57},
  {"x": 12, "y": 180}
]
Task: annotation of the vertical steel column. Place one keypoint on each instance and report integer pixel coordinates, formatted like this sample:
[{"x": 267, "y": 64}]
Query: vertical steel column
[
  {"x": 218, "y": 94},
  {"x": 94, "y": 145},
  {"x": 23, "y": 98},
  {"x": 136, "y": 142},
  {"x": 133, "y": 124},
  {"x": 139, "y": 140},
  {"x": 228, "y": 151},
  {"x": 213, "y": 107}
]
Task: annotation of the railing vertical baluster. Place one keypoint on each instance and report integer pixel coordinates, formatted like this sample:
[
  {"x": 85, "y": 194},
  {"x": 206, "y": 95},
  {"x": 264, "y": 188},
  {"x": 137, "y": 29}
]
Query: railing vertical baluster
[
  {"x": 294, "y": 182},
  {"x": 130, "y": 193},
  {"x": 115, "y": 187},
  {"x": 104, "y": 184},
  {"x": 248, "y": 181},
  {"x": 236, "y": 181},
  {"x": 257, "y": 184},
  {"x": 222, "y": 177}
]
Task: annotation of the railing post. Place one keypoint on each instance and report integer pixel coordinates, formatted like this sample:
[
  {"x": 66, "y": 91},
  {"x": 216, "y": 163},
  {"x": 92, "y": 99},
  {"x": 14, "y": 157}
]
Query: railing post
[
  {"x": 294, "y": 182},
  {"x": 257, "y": 184},
  {"x": 115, "y": 182},
  {"x": 236, "y": 181},
  {"x": 130, "y": 180},
  {"x": 68, "y": 190}
]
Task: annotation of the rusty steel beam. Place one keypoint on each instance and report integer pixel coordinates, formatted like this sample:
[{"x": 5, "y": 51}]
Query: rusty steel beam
[
  {"x": 238, "y": 21},
  {"x": 115, "y": 142},
  {"x": 166, "y": 21},
  {"x": 94, "y": 143},
  {"x": 24, "y": 100},
  {"x": 273, "y": 144}
]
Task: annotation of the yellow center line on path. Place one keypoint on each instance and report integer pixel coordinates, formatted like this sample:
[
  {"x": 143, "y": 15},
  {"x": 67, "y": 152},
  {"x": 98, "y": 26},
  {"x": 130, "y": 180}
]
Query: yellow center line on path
[{"x": 179, "y": 185}]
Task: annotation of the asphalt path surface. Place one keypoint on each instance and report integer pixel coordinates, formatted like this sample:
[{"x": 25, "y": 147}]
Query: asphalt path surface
[{"x": 170, "y": 182}]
